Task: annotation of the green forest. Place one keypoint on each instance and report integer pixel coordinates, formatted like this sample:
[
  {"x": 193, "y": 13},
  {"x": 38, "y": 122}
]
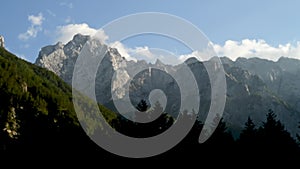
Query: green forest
[{"x": 37, "y": 116}]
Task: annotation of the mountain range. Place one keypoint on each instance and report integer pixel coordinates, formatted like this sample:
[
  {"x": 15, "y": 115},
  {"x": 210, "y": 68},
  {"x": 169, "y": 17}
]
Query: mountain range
[{"x": 253, "y": 85}]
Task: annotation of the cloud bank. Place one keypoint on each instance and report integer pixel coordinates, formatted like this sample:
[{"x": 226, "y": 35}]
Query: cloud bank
[
  {"x": 232, "y": 49},
  {"x": 257, "y": 48}
]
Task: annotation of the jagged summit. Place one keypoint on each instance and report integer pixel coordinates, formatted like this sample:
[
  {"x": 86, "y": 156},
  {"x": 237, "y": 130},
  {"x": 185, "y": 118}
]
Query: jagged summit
[
  {"x": 191, "y": 60},
  {"x": 79, "y": 38},
  {"x": 226, "y": 60},
  {"x": 159, "y": 62},
  {"x": 60, "y": 57}
]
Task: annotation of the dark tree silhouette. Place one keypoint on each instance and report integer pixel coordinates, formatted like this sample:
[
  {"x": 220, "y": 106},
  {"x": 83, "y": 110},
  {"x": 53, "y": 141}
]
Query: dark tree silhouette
[
  {"x": 219, "y": 142},
  {"x": 249, "y": 133},
  {"x": 248, "y": 141},
  {"x": 157, "y": 124},
  {"x": 142, "y": 106},
  {"x": 272, "y": 125},
  {"x": 142, "y": 114},
  {"x": 274, "y": 140},
  {"x": 221, "y": 135},
  {"x": 298, "y": 136}
]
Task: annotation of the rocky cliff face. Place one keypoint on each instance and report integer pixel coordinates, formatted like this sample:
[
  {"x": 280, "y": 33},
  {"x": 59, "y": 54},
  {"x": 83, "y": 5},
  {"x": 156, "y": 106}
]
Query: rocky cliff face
[
  {"x": 281, "y": 77},
  {"x": 253, "y": 85},
  {"x": 61, "y": 58}
]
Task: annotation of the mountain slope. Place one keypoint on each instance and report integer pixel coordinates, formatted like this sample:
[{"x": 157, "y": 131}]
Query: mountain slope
[
  {"x": 36, "y": 110},
  {"x": 247, "y": 96},
  {"x": 282, "y": 77}
]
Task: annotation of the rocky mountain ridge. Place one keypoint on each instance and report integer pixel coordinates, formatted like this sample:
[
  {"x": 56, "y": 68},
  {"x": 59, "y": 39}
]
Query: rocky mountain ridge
[{"x": 253, "y": 85}]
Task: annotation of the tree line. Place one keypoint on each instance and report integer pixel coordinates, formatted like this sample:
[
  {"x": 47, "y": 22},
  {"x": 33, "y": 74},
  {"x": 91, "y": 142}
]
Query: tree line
[{"x": 270, "y": 140}]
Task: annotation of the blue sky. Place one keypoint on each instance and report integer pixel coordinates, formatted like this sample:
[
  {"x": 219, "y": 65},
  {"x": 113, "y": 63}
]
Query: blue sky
[{"x": 234, "y": 27}]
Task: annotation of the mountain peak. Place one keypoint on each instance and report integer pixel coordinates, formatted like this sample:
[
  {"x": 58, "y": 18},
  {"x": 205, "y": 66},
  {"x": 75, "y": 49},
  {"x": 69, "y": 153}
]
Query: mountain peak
[
  {"x": 287, "y": 59},
  {"x": 158, "y": 62},
  {"x": 226, "y": 60},
  {"x": 55, "y": 57},
  {"x": 190, "y": 60},
  {"x": 80, "y": 37},
  {"x": 47, "y": 50},
  {"x": 59, "y": 45},
  {"x": 289, "y": 64}
]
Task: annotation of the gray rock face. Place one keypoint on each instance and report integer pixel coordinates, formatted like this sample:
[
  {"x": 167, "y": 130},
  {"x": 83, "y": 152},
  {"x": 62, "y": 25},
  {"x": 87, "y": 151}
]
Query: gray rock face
[
  {"x": 281, "y": 77},
  {"x": 61, "y": 58},
  {"x": 2, "y": 41},
  {"x": 253, "y": 85},
  {"x": 258, "y": 85}
]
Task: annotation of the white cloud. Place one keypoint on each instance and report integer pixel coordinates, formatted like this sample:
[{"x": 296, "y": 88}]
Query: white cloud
[
  {"x": 182, "y": 58},
  {"x": 257, "y": 48},
  {"x": 65, "y": 33},
  {"x": 30, "y": 33},
  {"x": 233, "y": 49},
  {"x": 35, "y": 27},
  {"x": 148, "y": 54},
  {"x": 142, "y": 53},
  {"x": 122, "y": 50},
  {"x": 100, "y": 35},
  {"x": 36, "y": 20},
  {"x": 200, "y": 55},
  {"x": 152, "y": 54}
]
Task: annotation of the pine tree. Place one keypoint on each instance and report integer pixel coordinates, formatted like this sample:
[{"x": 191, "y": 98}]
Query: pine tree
[
  {"x": 248, "y": 140},
  {"x": 221, "y": 136},
  {"x": 142, "y": 106},
  {"x": 155, "y": 125},
  {"x": 298, "y": 136},
  {"x": 274, "y": 140},
  {"x": 272, "y": 125},
  {"x": 249, "y": 133}
]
